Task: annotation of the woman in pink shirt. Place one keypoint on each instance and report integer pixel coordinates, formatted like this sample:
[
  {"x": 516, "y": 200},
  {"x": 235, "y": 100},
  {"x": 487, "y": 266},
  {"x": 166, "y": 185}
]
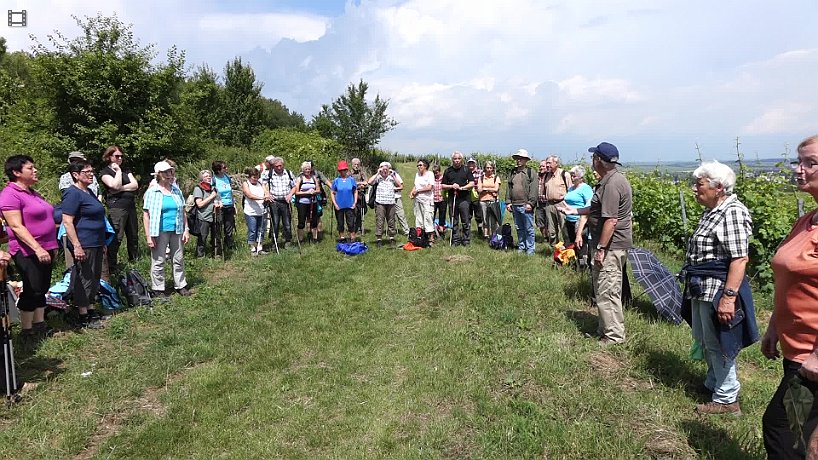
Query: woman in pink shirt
[{"x": 32, "y": 243}]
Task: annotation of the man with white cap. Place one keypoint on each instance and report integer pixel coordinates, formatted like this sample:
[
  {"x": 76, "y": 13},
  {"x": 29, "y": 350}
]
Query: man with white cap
[
  {"x": 521, "y": 198},
  {"x": 610, "y": 221}
]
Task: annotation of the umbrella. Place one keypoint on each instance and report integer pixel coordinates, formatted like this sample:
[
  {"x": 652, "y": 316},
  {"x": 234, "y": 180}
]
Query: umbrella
[{"x": 658, "y": 282}]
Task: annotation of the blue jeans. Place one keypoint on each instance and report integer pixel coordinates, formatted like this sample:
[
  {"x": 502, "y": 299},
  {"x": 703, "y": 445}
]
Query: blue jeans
[
  {"x": 524, "y": 221},
  {"x": 254, "y": 227},
  {"x": 721, "y": 372}
]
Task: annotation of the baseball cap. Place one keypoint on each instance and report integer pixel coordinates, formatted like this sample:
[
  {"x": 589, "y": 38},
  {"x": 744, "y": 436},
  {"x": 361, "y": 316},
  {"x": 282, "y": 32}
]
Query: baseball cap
[
  {"x": 471, "y": 160},
  {"x": 162, "y": 166},
  {"x": 342, "y": 165},
  {"x": 607, "y": 152},
  {"x": 269, "y": 158}
]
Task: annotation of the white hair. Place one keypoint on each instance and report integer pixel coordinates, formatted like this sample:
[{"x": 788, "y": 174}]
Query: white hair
[
  {"x": 717, "y": 174},
  {"x": 305, "y": 165},
  {"x": 455, "y": 153},
  {"x": 385, "y": 163},
  {"x": 578, "y": 170}
]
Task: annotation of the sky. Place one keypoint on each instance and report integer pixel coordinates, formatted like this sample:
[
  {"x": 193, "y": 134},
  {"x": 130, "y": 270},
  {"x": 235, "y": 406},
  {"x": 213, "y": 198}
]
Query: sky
[{"x": 654, "y": 77}]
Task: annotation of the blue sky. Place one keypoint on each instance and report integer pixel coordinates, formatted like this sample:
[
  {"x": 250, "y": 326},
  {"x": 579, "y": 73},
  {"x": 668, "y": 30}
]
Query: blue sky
[{"x": 653, "y": 77}]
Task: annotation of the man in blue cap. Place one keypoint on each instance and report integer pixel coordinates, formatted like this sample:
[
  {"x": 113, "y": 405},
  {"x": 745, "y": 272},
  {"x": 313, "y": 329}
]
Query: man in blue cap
[{"x": 610, "y": 221}]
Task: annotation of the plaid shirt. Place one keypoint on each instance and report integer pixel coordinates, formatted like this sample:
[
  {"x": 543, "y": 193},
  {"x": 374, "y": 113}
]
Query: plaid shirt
[
  {"x": 723, "y": 234},
  {"x": 279, "y": 185},
  {"x": 438, "y": 189},
  {"x": 153, "y": 204}
]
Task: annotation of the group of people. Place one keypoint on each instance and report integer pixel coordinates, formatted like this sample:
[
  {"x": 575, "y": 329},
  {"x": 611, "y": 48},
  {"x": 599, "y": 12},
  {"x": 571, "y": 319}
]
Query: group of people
[{"x": 718, "y": 301}]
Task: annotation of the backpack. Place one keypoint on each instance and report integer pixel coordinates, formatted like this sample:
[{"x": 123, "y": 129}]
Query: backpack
[
  {"x": 135, "y": 289},
  {"x": 418, "y": 237},
  {"x": 372, "y": 193},
  {"x": 192, "y": 212},
  {"x": 109, "y": 297},
  {"x": 501, "y": 238},
  {"x": 352, "y": 249}
]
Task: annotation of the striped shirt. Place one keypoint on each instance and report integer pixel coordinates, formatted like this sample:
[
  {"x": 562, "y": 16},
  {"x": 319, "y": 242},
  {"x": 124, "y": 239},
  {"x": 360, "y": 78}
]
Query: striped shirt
[
  {"x": 723, "y": 234},
  {"x": 153, "y": 204},
  {"x": 385, "y": 193}
]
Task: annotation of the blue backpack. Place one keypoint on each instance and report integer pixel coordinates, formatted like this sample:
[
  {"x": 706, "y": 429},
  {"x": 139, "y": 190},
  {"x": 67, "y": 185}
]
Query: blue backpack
[
  {"x": 109, "y": 297},
  {"x": 352, "y": 249}
]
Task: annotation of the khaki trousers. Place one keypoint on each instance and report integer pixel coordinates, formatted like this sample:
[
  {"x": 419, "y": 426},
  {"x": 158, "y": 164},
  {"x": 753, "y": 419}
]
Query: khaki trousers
[{"x": 608, "y": 289}]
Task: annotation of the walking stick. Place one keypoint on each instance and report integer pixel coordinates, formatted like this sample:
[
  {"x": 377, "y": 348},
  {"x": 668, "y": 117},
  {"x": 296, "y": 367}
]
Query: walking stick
[
  {"x": 8, "y": 347},
  {"x": 218, "y": 241}
]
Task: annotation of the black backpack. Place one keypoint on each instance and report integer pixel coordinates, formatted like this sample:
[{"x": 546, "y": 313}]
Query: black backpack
[
  {"x": 135, "y": 289},
  {"x": 373, "y": 190},
  {"x": 418, "y": 237},
  {"x": 505, "y": 230}
]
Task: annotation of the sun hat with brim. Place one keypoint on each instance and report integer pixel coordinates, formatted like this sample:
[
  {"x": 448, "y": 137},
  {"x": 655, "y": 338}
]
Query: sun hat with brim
[
  {"x": 522, "y": 153},
  {"x": 76, "y": 155},
  {"x": 606, "y": 152},
  {"x": 162, "y": 166}
]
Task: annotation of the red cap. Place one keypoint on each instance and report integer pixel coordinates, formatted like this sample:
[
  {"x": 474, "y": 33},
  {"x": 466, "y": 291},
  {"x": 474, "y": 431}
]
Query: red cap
[{"x": 342, "y": 165}]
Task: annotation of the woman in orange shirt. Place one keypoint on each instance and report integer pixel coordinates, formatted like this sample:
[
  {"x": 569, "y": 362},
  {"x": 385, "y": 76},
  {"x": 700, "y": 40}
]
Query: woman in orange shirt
[{"x": 794, "y": 323}]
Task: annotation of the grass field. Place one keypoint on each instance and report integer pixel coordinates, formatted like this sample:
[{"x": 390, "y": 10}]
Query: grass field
[{"x": 441, "y": 353}]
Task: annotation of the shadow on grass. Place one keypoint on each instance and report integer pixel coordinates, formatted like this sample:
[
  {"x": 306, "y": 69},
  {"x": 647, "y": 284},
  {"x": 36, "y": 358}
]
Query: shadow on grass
[
  {"x": 672, "y": 371},
  {"x": 586, "y": 322},
  {"x": 644, "y": 306},
  {"x": 578, "y": 286},
  {"x": 712, "y": 442}
]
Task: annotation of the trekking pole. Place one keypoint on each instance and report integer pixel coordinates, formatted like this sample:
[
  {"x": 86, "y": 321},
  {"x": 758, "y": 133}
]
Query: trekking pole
[
  {"x": 8, "y": 347},
  {"x": 272, "y": 226},
  {"x": 331, "y": 226},
  {"x": 451, "y": 236},
  {"x": 297, "y": 239}
]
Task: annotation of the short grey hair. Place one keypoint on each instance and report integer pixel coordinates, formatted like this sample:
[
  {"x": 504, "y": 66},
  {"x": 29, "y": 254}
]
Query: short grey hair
[
  {"x": 717, "y": 174},
  {"x": 305, "y": 165},
  {"x": 555, "y": 158},
  {"x": 385, "y": 163},
  {"x": 456, "y": 153},
  {"x": 273, "y": 160},
  {"x": 578, "y": 170},
  {"x": 203, "y": 172}
]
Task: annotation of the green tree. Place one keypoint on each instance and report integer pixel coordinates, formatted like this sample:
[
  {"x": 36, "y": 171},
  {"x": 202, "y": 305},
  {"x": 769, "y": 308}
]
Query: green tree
[
  {"x": 241, "y": 108},
  {"x": 276, "y": 115},
  {"x": 104, "y": 88},
  {"x": 354, "y": 123},
  {"x": 202, "y": 99}
]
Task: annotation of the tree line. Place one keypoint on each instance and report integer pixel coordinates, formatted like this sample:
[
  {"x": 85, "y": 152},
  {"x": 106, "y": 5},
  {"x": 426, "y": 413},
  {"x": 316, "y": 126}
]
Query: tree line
[{"x": 104, "y": 87}]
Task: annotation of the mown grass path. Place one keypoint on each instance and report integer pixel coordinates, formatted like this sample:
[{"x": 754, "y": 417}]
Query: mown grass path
[{"x": 440, "y": 353}]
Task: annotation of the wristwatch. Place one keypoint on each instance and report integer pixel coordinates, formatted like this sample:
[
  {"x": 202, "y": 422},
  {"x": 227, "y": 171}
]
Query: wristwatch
[
  {"x": 599, "y": 246},
  {"x": 730, "y": 292}
]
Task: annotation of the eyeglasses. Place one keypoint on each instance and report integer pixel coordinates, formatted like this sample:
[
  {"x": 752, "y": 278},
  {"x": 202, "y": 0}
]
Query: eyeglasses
[
  {"x": 420, "y": 164},
  {"x": 117, "y": 156},
  {"x": 87, "y": 171},
  {"x": 806, "y": 164}
]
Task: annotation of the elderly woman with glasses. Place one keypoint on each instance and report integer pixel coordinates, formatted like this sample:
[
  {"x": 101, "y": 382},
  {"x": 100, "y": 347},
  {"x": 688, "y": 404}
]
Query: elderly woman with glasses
[
  {"x": 578, "y": 196},
  {"x": 385, "y": 181},
  {"x": 84, "y": 219},
  {"x": 718, "y": 302},
  {"x": 166, "y": 226},
  {"x": 423, "y": 195}
]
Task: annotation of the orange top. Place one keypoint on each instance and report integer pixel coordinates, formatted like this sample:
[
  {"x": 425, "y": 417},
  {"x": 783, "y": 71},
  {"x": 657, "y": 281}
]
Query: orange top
[{"x": 795, "y": 266}]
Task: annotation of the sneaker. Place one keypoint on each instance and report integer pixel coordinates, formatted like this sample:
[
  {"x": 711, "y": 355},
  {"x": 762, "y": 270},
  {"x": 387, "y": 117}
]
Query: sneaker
[
  {"x": 262, "y": 252},
  {"x": 392, "y": 243},
  {"x": 716, "y": 408},
  {"x": 183, "y": 291},
  {"x": 379, "y": 243},
  {"x": 160, "y": 296}
]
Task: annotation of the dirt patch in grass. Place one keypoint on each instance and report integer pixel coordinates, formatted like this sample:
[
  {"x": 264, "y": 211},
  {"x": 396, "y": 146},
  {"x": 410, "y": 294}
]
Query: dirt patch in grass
[
  {"x": 605, "y": 363},
  {"x": 663, "y": 443},
  {"x": 111, "y": 424},
  {"x": 458, "y": 258}
]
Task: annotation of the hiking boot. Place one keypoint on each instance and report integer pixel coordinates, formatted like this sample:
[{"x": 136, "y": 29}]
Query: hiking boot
[
  {"x": 262, "y": 252},
  {"x": 183, "y": 291},
  {"x": 392, "y": 243},
  {"x": 716, "y": 408},
  {"x": 41, "y": 331},
  {"x": 98, "y": 315},
  {"x": 379, "y": 243},
  {"x": 90, "y": 323},
  {"x": 605, "y": 342},
  {"x": 160, "y": 296},
  {"x": 28, "y": 340}
]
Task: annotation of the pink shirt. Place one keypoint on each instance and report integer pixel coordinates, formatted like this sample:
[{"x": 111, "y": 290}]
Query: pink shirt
[{"x": 37, "y": 215}]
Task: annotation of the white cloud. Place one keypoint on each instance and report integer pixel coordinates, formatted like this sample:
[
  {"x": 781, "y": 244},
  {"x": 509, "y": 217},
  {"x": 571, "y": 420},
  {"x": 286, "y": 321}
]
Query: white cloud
[{"x": 263, "y": 28}]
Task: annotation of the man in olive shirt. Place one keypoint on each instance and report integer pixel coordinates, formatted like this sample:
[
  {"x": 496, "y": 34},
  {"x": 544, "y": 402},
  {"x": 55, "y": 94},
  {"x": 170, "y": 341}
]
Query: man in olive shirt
[
  {"x": 521, "y": 197},
  {"x": 609, "y": 218}
]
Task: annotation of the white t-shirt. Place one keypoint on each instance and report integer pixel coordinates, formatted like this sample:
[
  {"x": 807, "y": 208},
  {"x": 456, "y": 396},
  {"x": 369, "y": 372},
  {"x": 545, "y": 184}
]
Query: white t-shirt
[
  {"x": 254, "y": 207},
  {"x": 427, "y": 179}
]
